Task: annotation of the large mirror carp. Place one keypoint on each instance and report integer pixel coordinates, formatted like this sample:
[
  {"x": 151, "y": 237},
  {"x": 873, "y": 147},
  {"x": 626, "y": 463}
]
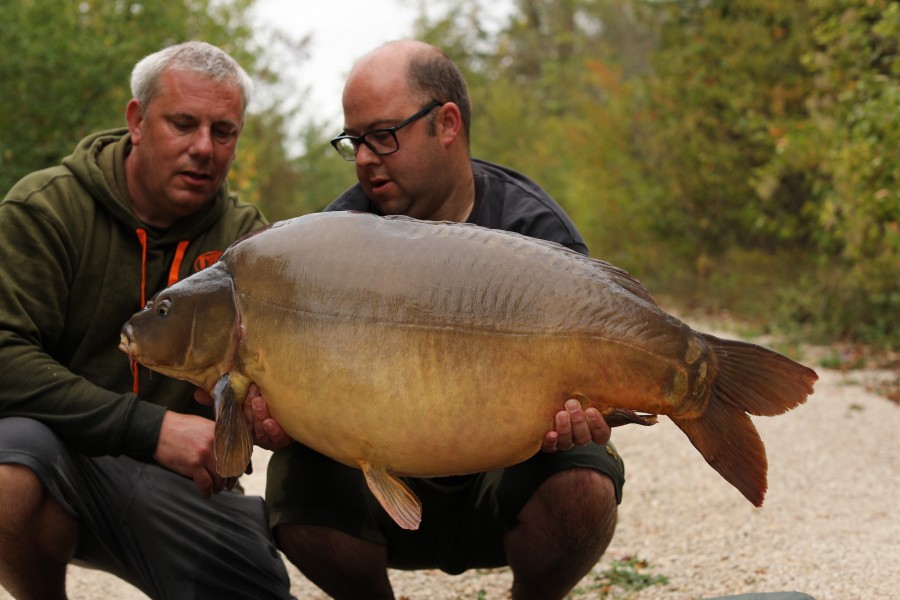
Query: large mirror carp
[{"x": 413, "y": 348}]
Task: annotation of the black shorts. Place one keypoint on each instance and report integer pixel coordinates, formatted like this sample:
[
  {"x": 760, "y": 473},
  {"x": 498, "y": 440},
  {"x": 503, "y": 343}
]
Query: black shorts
[
  {"x": 464, "y": 519},
  {"x": 150, "y": 526}
]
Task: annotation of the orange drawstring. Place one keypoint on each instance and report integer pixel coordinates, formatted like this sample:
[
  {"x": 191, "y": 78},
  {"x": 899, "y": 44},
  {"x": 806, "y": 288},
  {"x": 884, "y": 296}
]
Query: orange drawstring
[
  {"x": 173, "y": 277},
  {"x": 142, "y": 238},
  {"x": 176, "y": 262}
]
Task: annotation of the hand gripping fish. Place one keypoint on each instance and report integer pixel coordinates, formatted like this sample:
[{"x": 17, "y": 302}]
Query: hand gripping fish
[{"x": 412, "y": 348}]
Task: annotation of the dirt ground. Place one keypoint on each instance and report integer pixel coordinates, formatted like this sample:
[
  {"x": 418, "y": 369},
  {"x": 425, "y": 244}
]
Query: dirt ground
[{"x": 829, "y": 526}]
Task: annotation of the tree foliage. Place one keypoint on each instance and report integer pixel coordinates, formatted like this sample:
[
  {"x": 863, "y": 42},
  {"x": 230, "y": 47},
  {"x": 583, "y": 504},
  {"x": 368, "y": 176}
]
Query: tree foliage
[
  {"x": 855, "y": 113},
  {"x": 727, "y": 85}
]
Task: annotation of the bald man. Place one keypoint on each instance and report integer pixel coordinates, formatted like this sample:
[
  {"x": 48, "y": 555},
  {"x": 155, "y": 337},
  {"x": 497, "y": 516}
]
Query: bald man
[{"x": 406, "y": 128}]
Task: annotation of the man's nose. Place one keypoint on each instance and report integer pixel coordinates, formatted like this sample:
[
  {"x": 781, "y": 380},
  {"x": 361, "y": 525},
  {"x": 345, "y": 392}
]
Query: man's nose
[
  {"x": 201, "y": 145},
  {"x": 366, "y": 156}
]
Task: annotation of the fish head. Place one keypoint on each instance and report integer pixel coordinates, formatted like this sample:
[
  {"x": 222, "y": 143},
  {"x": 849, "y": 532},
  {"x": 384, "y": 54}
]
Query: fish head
[{"x": 188, "y": 330}]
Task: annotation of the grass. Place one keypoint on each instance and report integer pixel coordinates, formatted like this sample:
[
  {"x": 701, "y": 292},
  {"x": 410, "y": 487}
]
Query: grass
[{"x": 620, "y": 581}]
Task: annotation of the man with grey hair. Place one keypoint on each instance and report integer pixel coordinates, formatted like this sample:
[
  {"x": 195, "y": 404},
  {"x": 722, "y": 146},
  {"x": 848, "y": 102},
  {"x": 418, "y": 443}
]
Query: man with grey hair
[{"x": 101, "y": 463}]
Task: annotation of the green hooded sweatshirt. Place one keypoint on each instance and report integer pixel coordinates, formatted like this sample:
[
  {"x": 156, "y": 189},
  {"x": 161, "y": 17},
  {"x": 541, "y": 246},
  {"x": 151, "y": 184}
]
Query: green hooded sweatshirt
[{"x": 75, "y": 264}]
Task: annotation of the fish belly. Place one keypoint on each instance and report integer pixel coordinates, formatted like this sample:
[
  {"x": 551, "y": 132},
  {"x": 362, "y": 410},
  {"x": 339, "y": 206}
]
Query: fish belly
[{"x": 441, "y": 401}]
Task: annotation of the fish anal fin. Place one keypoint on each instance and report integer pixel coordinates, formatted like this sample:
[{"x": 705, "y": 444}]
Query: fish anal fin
[
  {"x": 395, "y": 496},
  {"x": 728, "y": 440},
  {"x": 233, "y": 444}
]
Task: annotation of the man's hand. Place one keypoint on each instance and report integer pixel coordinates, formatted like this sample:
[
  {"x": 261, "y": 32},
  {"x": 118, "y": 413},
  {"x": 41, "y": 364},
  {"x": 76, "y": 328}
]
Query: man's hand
[
  {"x": 185, "y": 446},
  {"x": 575, "y": 427},
  {"x": 267, "y": 433}
]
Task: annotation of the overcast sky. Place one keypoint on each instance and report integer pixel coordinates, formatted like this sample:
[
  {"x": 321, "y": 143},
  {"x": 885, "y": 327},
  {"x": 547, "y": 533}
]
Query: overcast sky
[{"x": 341, "y": 31}]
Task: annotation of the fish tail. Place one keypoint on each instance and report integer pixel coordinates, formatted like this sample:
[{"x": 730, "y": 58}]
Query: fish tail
[
  {"x": 751, "y": 379},
  {"x": 728, "y": 440},
  {"x": 757, "y": 380}
]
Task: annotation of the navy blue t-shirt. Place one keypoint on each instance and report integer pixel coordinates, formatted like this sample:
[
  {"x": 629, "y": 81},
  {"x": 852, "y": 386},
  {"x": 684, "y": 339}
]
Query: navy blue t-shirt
[{"x": 504, "y": 199}]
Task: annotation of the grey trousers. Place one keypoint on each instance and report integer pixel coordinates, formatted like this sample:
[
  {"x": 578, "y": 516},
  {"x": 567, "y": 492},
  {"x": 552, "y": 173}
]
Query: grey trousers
[{"x": 150, "y": 526}]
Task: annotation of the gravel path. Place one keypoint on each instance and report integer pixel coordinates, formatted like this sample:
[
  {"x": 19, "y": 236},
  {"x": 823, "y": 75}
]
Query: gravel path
[{"x": 829, "y": 526}]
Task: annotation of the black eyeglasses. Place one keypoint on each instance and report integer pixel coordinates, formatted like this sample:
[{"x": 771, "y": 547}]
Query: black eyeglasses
[{"x": 380, "y": 141}]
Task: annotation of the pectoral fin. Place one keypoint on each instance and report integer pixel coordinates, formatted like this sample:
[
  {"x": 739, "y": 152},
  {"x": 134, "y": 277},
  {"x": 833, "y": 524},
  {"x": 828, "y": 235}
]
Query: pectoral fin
[
  {"x": 234, "y": 440},
  {"x": 395, "y": 496}
]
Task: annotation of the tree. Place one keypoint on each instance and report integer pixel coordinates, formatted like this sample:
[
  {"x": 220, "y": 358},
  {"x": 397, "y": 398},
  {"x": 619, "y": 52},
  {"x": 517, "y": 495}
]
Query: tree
[
  {"x": 855, "y": 129},
  {"x": 298, "y": 185},
  {"x": 728, "y": 84}
]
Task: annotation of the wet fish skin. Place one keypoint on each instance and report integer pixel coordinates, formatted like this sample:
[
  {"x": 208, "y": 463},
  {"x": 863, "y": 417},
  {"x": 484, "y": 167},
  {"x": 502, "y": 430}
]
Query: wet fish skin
[{"x": 396, "y": 345}]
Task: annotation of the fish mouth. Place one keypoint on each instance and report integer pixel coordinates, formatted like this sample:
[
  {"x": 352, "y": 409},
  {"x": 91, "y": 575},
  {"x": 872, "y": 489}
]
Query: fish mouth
[
  {"x": 133, "y": 350},
  {"x": 127, "y": 343},
  {"x": 127, "y": 346}
]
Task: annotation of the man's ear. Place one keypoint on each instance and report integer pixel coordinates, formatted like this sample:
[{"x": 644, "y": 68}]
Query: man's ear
[
  {"x": 134, "y": 117},
  {"x": 449, "y": 123}
]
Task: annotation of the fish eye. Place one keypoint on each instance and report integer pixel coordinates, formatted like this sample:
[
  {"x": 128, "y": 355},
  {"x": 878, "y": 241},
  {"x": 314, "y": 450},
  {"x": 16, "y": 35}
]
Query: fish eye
[{"x": 163, "y": 308}]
